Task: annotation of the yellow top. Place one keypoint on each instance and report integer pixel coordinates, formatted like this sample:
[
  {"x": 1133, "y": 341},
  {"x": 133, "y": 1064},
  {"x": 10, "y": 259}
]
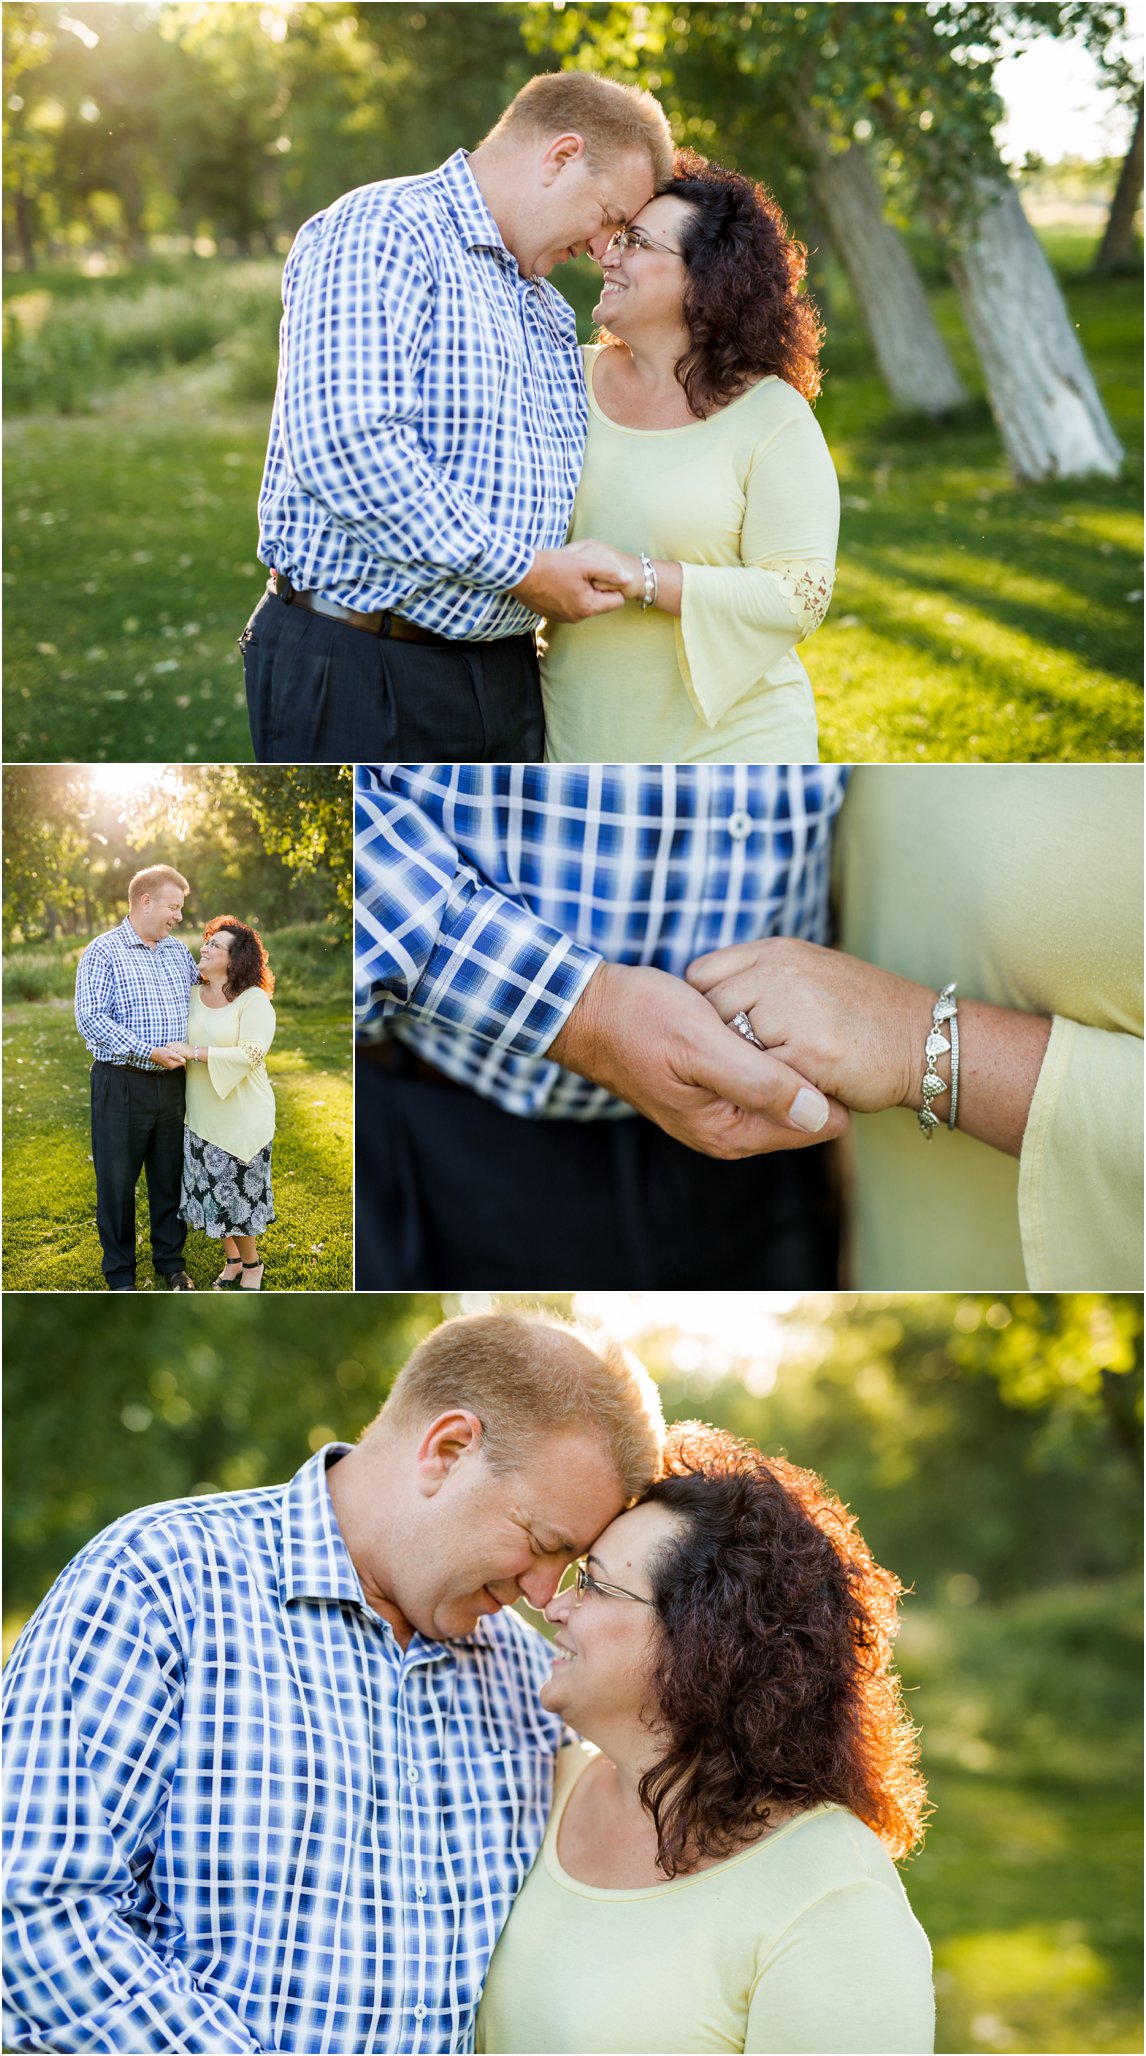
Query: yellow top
[
  {"x": 747, "y": 502},
  {"x": 229, "y": 1098},
  {"x": 1024, "y": 883},
  {"x": 804, "y": 1942}
]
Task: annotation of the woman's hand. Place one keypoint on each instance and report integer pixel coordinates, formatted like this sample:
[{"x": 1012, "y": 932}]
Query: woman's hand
[
  {"x": 856, "y": 1032},
  {"x": 630, "y": 581},
  {"x": 186, "y": 1050}
]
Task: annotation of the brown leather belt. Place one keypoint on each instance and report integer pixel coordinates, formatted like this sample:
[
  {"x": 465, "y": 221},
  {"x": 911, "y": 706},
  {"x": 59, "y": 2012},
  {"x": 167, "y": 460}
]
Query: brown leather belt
[{"x": 393, "y": 626}]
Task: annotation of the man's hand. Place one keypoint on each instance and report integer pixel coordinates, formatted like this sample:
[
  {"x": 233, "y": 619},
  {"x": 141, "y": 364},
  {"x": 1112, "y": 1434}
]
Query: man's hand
[
  {"x": 168, "y": 1057},
  {"x": 645, "y": 1036},
  {"x": 573, "y": 583},
  {"x": 855, "y": 1030}
]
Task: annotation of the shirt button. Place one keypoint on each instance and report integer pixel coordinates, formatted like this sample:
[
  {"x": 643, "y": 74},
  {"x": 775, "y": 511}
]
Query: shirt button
[
  {"x": 414, "y": 1777},
  {"x": 419, "y": 2013},
  {"x": 740, "y": 825},
  {"x": 420, "y": 1890}
]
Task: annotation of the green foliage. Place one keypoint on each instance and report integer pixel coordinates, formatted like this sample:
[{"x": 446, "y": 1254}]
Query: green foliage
[
  {"x": 1030, "y": 1882},
  {"x": 267, "y": 845},
  {"x": 50, "y": 1241},
  {"x": 64, "y": 350}
]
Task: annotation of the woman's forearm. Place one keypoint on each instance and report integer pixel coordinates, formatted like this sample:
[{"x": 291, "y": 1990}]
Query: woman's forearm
[
  {"x": 1001, "y": 1053},
  {"x": 670, "y": 582}
]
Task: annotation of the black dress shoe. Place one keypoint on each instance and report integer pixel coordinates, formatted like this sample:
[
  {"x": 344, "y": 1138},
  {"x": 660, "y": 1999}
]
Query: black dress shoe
[
  {"x": 121, "y": 1288},
  {"x": 180, "y": 1281}
]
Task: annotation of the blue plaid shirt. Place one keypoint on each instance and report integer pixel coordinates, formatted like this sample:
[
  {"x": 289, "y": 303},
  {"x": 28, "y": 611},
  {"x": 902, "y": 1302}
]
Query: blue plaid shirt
[
  {"x": 131, "y": 999},
  {"x": 239, "y": 1815},
  {"x": 430, "y": 419},
  {"x": 487, "y": 894}
]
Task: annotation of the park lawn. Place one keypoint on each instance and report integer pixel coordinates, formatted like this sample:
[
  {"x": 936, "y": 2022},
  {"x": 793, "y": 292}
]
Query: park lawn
[
  {"x": 971, "y": 619},
  {"x": 50, "y": 1242},
  {"x": 1030, "y": 1882}
]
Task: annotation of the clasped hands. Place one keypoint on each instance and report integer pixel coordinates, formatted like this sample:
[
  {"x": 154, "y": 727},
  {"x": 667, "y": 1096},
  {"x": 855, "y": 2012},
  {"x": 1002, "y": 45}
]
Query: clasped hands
[
  {"x": 837, "y": 1034},
  {"x": 580, "y": 580},
  {"x": 173, "y": 1056}
]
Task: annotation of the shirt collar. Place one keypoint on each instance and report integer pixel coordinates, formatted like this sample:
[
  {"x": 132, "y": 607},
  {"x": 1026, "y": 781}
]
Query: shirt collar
[
  {"x": 135, "y": 941},
  {"x": 464, "y": 198},
  {"x": 316, "y": 1562}
]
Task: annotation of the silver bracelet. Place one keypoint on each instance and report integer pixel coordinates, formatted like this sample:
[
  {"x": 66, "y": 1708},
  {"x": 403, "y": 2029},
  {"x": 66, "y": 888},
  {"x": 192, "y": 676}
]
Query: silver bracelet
[
  {"x": 944, "y": 1010},
  {"x": 652, "y": 583},
  {"x": 953, "y": 1030}
]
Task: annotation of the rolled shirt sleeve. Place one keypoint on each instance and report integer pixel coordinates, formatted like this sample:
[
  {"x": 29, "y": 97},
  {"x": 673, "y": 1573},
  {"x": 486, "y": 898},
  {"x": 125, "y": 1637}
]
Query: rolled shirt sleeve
[
  {"x": 437, "y": 942},
  {"x": 92, "y": 1712},
  {"x": 1081, "y": 1167},
  {"x": 738, "y": 622},
  {"x": 351, "y": 396}
]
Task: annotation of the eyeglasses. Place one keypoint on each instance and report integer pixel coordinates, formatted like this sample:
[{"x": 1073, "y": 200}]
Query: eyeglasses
[
  {"x": 636, "y": 239},
  {"x": 582, "y": 1581}
]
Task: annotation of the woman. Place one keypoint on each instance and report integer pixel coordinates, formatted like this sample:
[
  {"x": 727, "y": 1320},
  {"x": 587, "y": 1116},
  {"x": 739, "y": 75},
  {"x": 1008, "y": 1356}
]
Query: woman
[
  {"x": 717, "y": 1873},
  {"x": 1022, "y": 883},
  {"x": 230, "y": 1105},
  {"x": 703, "y": 454}
]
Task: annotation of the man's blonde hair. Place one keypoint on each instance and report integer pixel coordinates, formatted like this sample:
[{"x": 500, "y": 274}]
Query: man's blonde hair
[
  {"x": 612, "y": 118},
  {"x": 151, "y": 879},
  {"x": 526, "y": 1375}
]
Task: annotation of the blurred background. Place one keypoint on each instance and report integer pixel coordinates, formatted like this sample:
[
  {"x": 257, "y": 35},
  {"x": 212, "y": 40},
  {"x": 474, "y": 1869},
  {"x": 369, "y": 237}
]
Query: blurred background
[
  {"x": 159, "y": 158},
  {"x": 990, "y": 1447},
  {"x": 270, "y": 846}
]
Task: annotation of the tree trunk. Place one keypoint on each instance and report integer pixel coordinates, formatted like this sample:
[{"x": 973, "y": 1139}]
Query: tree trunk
[
  {"x": 910, "y": 351},
  {"x": 24, "y": 218},
  {"x": 1043, "y": 396},
  {"x": 1117, "y": 246}
]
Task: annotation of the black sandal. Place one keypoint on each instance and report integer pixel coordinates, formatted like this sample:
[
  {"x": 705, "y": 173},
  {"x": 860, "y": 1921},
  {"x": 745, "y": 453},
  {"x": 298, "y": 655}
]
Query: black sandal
[
  {"x": 259, "y": 1266},
  {"x": 224, "y": 1284}
]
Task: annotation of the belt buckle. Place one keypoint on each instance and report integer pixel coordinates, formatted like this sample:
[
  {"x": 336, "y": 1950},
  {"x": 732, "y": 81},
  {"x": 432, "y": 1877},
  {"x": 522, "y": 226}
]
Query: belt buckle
[{"x": 284, "y": 590}]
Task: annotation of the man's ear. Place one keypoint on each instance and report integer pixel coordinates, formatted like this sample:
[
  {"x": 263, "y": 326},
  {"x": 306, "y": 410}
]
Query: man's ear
[
  {"x": 560, "y": 152},
  {"x": 448, "y": 1441}
]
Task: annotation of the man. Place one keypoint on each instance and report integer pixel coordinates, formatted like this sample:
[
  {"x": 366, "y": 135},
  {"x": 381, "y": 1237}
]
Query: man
[
  {"x": 523, "y": 934},
  {"x": 132, "y": 988},
  {"x": 427, "y": 440},
  {"x": 277, "y": 1762}
]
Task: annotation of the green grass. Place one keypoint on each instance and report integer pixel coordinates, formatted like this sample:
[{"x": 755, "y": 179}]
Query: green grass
[
  {"x": 50, "y": 1241},
  {"x": 1030, "y": 1882},
  {"x": 971, "y": 619}
]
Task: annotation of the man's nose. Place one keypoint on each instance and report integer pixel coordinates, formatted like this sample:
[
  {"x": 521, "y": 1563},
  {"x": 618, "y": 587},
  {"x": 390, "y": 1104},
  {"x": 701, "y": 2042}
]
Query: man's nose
[
  {"x": 539, "y": 1584},
  {"x": 598, "y": 246}
]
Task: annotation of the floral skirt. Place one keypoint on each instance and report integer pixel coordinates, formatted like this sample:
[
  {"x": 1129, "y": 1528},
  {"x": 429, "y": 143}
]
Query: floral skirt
[{"x": 220, "y": 1194}]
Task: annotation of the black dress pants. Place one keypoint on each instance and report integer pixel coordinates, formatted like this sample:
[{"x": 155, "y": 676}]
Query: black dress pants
[
  {"x": 137, "y": 1125},
  {"x": 451, "y": 1193},
  {"x": 319, "y": 692}
]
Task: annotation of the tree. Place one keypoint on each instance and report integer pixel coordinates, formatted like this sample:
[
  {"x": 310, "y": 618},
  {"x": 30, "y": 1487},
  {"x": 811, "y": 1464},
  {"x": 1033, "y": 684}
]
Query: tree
[{"x": 1117, "y": 246}]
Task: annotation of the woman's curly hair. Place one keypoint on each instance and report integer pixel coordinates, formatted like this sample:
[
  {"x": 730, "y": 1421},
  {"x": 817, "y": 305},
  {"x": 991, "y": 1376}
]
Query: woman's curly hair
[
  {"x": 247, "y": 963},
  {"x": 772, "y": 1672},
  {"x": 743, "y": 308}
]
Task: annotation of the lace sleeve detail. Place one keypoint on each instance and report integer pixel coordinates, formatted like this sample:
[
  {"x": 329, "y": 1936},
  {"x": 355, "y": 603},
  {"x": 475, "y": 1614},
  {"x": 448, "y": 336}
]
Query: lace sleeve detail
[
  {"x": 808, "y": 591},
  {"x": 256, "y": 1056}
]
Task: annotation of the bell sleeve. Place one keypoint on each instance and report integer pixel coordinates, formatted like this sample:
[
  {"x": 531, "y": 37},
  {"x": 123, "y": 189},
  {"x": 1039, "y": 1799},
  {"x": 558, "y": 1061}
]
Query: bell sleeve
[
  {"x": 228, "y": 1067},
  {"x": 1080, "y": 1172},
  {"x": 738, "y": 621}
]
